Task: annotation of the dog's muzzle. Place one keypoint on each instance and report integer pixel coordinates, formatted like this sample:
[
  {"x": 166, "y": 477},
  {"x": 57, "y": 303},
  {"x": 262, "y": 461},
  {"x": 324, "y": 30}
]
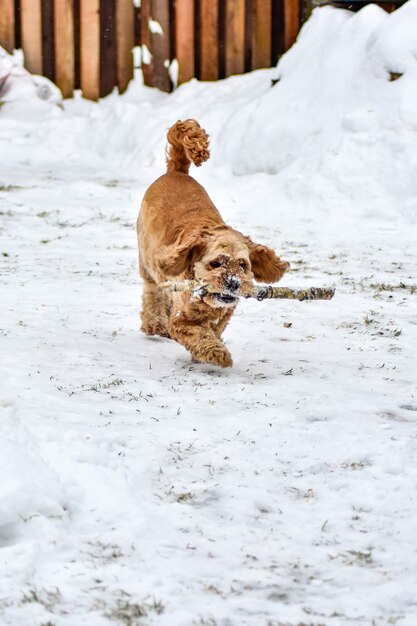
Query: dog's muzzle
[{"x": 232, "y": 284}]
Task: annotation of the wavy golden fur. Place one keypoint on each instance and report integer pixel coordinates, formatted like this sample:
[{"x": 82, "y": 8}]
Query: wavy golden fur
[
  {"x": 188, "y": 142},
  {"x": 181, "y": 234}
]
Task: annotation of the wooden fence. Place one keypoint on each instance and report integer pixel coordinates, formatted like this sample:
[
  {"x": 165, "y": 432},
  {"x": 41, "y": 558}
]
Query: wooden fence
[{"x": 87, "y": 44}]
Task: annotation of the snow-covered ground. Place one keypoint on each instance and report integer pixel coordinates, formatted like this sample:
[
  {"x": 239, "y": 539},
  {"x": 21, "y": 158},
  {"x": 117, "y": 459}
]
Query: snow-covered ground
[{"x": 139, "y": 489}]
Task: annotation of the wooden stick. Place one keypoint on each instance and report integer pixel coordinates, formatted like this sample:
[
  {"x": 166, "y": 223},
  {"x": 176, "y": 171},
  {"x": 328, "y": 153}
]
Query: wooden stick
[
  {"x": 286, "y": 293},
  {"x": 200, "y": 290}
]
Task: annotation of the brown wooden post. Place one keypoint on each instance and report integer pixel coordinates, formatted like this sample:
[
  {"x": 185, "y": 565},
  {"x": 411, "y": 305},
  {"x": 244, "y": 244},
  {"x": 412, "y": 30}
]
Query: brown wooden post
[
  {"x": 235, "y": 37},
  {"x": 184, "y": 39},
  {"x": 209, "y": 40},
  {"x": 31, "y": 28},
  {"x": 125, "y": 36},
  {"x": 292, "y": 22},
  {"x": 7, "y": 24},
  {"x": 160, "y": 44},
  {"x": 64, "y": 46},
  {"x": 261, "y": 33},
  {"x": 90, "y": 48}
]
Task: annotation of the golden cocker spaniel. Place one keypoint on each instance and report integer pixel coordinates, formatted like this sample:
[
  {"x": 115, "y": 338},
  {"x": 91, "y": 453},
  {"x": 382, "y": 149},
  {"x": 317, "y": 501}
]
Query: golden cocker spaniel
[{"x": 181, "y": 235}]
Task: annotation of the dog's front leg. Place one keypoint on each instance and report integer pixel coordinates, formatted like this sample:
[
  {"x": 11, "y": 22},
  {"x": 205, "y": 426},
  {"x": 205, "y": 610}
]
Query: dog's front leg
[
  {"x": 220, "y": 325},
  {"x": 190, "y": 326},
  {"x": 155, "y": 310},
  {"x": 200, "y": 340}
]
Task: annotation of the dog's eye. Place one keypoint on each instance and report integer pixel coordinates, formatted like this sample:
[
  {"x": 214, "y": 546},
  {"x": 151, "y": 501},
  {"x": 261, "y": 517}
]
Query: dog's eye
[
  {"x": 243, "y": 265},
  {"x": 215, "y": 264}
]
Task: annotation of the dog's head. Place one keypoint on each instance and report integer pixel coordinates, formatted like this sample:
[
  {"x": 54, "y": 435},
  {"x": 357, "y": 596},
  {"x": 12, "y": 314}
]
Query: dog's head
[
  {"x": 226, "y": 267},
  {"x": 228, "y": 262}
]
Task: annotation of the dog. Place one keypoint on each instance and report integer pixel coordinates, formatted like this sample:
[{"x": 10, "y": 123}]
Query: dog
[{"x": 181, "y": 235}]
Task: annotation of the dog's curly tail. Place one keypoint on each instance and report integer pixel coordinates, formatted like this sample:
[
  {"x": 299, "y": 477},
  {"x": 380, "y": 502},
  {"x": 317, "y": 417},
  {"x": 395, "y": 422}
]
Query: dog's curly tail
[{"x": 188, "y": 142}]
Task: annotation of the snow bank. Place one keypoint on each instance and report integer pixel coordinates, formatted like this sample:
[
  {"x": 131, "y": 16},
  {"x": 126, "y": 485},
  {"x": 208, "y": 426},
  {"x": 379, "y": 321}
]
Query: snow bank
[
  {"x": 343, "y": 107},
  {"x": 28, "y": 486}
]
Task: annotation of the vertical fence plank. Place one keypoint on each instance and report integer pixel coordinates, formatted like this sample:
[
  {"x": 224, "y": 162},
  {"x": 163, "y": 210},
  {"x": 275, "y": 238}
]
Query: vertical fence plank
[
  {"x": 108, "y": 78},
  {"x": 235, "y": 37},
  {"x": 77, "y": 52},
  {"x": 48, "y": 37},
  {"x": 145, "y": 38},
  {"x": 137, "y": 25},
  {"x": 292, "y": 22},
  {"x": 221, "y": 39},
  {"x": 185, "y": 39},
  {"x": 160, "y": 43},
  {"x": 7, "y": 25},
  {"x": 248, "y": 35},
  {"x": 209, "y": 41},
  {"x": 125, "y": 41},
  {"x": 31, "y": 29},
  {"x": 278, "y": 22},
  {"x": 261, "y": 33},
  {"x": 64, "y": 46},
  {"x": 90, "y": 48}
]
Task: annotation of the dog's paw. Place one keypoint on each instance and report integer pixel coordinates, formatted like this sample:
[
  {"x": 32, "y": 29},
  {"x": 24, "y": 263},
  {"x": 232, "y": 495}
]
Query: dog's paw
[{"x": 214, "y": 353}]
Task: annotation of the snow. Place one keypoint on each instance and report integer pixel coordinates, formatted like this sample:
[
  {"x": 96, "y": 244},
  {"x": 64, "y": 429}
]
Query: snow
[
  {"x": 173, "y": 69},
  {"x": 16, "y": 84},
  {"x": 155, "y": 27},
  {"x": 146, "y": 55},
  {"x": 138, "y": 488}
]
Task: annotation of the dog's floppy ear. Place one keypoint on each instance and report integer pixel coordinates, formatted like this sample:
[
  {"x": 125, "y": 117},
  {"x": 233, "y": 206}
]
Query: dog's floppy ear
[
  {"x": 181, "y": 255},
  {"x": 267, "y": 267}
]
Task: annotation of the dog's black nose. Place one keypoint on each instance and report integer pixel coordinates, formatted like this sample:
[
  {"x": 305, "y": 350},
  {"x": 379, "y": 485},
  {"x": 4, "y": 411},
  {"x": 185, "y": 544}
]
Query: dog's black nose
[{"x": 232, "y": 283}]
